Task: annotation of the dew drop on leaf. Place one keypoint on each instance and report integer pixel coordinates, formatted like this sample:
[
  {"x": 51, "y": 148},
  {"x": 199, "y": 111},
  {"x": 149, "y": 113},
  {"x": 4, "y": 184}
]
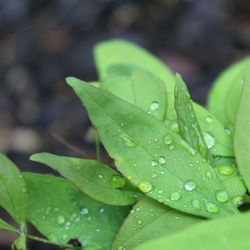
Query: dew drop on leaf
[
  {"x": 211, "y": 207},
  {"x": 225, "y": 170},
  {"x": 154, "y": 105},
  {"x": 237, "y": 200},
  {"x": 190, "y": 185},
  {"x": 162, "y": 160},
  {"x": 171, "y": 147},
  {"x": 84, "y": 211},
  {"x": 153, "y": 163},
  {"x": 129, "y": 142},
  {"x": 209, "y": 119},
  {"x": 175, "y": 196},
  {"x": 209, "y": 139},
  {"x": 167, "y": 139},
  {"x": 196, "y": 204},
  {"x": 117, "y": 181},
  {"x": 145, "y": 186},
  {"x": 60, "y": 219},
  {"x": 222, "y": 196}
]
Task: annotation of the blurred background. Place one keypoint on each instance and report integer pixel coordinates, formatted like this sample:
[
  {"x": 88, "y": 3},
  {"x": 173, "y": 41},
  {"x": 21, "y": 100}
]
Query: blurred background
[{"x": 43, "y": 41}]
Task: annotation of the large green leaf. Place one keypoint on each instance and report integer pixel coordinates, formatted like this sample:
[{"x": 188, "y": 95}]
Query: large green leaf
[
  {"x": 220, "y": 89},
  {"x": 92, "y": 177},
  {"x": 242, "y": 133},
  {"x": 12, "y": 190},
  {"x": 5, "y": 226},
  {"x": 61, "y": 212},
  {"x": 188, "y": 125},
  {"x": 224, "y": 234},
  {"x": 150, "y": 220},
  {"x": 137, "y": 86},
  {"x": 158, "y": 161}
]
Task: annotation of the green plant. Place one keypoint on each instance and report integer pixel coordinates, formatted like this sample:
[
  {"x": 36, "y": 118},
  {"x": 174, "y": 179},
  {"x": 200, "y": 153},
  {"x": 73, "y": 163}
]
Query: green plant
[{"x": 176, "y": 162}]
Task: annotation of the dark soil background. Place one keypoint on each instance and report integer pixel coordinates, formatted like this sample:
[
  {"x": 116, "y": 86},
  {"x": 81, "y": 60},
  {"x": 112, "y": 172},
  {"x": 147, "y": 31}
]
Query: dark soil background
[{"x": 43, "y": 41}]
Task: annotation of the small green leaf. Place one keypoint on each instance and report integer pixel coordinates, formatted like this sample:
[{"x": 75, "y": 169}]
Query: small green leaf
[
  {"x": 61, "y": 212},
  {"x": 20, "y": 243},
  {"x": 242, "y": 133},
  {"x": 137, "y": 86},
  {"x": 152, "y": 157},
  {"x": 149, "y": 220},
  {"x": 189, "y": 128},
  {"x": 224, "y": 234},
  {"x": 220, "y": 89},
  {"x": 5, "y": 226},
  {"x": 12, "y": 190},
  {"x": 92, "y": 177}
]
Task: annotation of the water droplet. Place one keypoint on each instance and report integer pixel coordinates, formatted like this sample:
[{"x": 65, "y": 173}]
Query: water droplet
[
  {"x": 196, "y": 204},
  {"x": 211, "y": 207},
  {"x": 120, "y": 248},
  {"x": 98, "y": 230},
  {"x": 154, "y": 175},
  {"x": 65, "y": 236},
  {"x": 162, "y": 160},
  {"x": 190, "y": 185},
  {"x": 228, "y": 131},
  {"x": 171, "y": 147},
  {"x": 84, "y": 211},
  {"x": 237, "y": 200},
  {"x": 129, "y": 142},
  {"x": 209, "y": 139},
  {"x": 101, "y": 210},
  {"x": 225, "y": 170},
  {"x": 168, "y": 139},
  {"x": 117, "y": 181},
  {"x": 188, "y": 148},
  {"x": 139, "y": 222},
  {"x": 222, "y": 196},
  {"x": 52, "y": 237},
  {"x": 174, "y": 127},
  {"x": 153, "y": 163},
  {"x": 145, "y": 186},
  {"x": 60, "y": 219},
  {"x": 175, "y": 196},
  {"x": 209, "y": 119},
  {"x": 100, "y": 176},
  {"x": 154, "y": 105}
]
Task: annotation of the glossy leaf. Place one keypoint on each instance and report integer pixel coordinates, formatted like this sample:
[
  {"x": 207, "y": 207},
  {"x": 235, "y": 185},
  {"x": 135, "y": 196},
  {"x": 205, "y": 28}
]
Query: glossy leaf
[
  {"x": 61, "y": 212},
  {"x": 151, "y": 156},
  {"x": 242, "y": 133},
  {"x": 224, "y": 234},
  {"x": 220, "y": 89},
  {"x": 137, "y": 86},
  {"x": 12, "y": 190},
  {"x": 92, "y": 177},
  {"x": 5, "y": 226},
  {"x": 188, "y": 125},
  {"x": 149, "y": 220}
]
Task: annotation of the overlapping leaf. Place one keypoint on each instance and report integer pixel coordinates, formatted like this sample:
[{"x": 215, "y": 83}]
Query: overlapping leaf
[
  {"x": 224, "y": 234},
  {"x": 61, "y": 212},
  {"x": 149, "y": 220},
  {"x": 92, "y": 177},
  {"x": 5, "y": 226},
  {"x": 152, "y": 157}
]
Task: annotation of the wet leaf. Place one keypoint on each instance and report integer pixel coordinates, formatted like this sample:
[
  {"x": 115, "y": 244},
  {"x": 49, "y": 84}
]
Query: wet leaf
[
  {"x": 224, "y": 234},
  {"x": 220, "y": 89},
  {"x": 12, "y": 190},
  {"x": 152, "y": 157},
  {"x": 188, "y": 125},
  {"x": 61, "y": 212},
  {"x": 149, "y": 220},
  {"x": 137, "y": 86},
  {"x": 93, "y": 178},
  {"x": 242, "y": 133}
]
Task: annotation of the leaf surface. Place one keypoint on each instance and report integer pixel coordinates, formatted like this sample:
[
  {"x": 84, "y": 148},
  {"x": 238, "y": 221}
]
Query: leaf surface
[
  {"x": 224, "y": 234},
  {"x": 92, "y": 177},
  {"x": 151, "y": 157},
  {"x": 61, "y": 212},
  {"x": 149, "y": 220}
]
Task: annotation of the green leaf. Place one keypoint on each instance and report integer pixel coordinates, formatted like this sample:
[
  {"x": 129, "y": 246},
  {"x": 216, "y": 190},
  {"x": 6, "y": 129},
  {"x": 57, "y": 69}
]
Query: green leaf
[
  {"x": 61, "y": 212},
  {"x": 92, "y": 177},
  {"x": 224, "y": 234},
  {"x": 20, "y": 243},
  {"x": 5, "y": 226},
  {"x": 12, "y": 190},
  {"x": 152, "y": 157},
  {"x": 137, "y": 86},
  {"x": 189, "y": 128},
  {"x": 218, "y": 140},
  {"x": 220, "y": 89},
  {"x": 150, "y": 220},
  {"x": 242, "y": 133}
]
